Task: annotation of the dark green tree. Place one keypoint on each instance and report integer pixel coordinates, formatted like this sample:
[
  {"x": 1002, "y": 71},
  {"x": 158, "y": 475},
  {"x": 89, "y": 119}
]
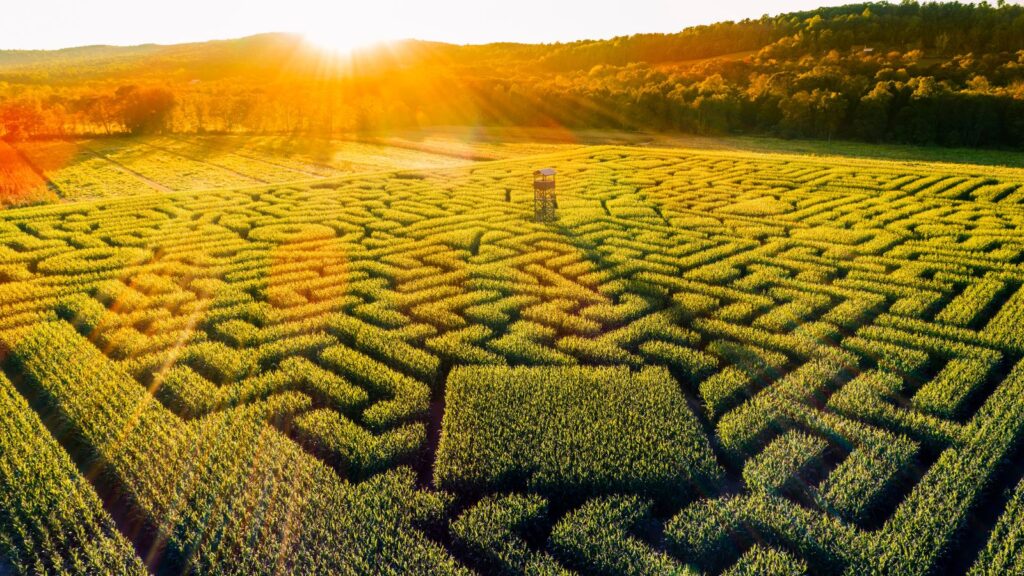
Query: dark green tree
[{"x": 146, "y": 110}]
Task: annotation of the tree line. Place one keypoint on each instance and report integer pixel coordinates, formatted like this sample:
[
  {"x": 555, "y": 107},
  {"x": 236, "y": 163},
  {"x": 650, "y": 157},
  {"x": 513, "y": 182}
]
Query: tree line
[{"x": 933, "y": 73}]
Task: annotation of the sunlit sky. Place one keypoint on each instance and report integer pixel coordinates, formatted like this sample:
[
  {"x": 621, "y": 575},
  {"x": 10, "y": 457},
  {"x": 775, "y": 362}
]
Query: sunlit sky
[{"x": 46, "y": 24}]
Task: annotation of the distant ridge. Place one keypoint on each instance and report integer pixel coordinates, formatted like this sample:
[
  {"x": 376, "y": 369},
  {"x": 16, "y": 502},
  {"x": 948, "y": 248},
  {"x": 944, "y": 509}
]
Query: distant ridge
[{"x": 932, "y": 73}]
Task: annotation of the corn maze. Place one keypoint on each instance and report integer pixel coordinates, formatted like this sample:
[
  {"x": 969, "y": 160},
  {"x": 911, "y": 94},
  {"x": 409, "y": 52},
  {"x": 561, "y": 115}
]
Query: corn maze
[{"x": 711, "y": 363}]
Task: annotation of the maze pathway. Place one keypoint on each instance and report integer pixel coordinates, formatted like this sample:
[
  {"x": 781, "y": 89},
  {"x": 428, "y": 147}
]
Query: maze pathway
[{"x": 254, "y": 381}]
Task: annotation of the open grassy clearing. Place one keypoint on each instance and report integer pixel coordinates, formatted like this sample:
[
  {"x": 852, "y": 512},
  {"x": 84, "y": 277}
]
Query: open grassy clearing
[{"x": 296, "y": 377}]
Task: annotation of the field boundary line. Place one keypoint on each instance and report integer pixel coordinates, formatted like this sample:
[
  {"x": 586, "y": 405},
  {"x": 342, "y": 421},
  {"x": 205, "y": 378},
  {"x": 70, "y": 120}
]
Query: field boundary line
[
  {"x": 204, "y": 162},
  {"x": 426, "y": 149},
  {"x": 281, "y": 166},
  {"x": 151, "y": 183}
]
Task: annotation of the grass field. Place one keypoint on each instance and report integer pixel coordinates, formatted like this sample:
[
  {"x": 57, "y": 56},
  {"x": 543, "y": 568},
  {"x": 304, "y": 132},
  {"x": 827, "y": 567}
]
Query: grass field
[{"x": 368, "y": 357}]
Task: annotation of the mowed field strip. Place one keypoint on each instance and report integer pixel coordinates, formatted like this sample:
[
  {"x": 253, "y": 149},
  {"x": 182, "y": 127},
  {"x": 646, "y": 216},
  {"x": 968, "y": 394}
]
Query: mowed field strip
[{"x": 711, "y": 363}]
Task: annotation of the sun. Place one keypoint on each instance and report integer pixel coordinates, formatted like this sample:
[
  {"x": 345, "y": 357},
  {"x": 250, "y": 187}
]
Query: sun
[{"x": 345, "y": 41}]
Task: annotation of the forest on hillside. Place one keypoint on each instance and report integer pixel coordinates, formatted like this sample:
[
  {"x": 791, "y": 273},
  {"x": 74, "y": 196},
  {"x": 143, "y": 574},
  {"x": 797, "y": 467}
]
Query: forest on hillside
[{"x": 924, "y": 73}]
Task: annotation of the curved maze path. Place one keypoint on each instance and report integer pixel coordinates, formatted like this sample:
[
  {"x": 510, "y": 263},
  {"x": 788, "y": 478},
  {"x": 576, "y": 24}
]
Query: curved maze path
[{"x": 813, "y": 368}]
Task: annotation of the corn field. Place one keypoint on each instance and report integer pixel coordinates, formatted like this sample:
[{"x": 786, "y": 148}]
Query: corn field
[{"x": 711, "y": 363}]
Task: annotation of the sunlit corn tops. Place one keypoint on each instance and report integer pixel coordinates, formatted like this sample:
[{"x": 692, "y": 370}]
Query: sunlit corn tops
[{"x": 710, "y": 362}]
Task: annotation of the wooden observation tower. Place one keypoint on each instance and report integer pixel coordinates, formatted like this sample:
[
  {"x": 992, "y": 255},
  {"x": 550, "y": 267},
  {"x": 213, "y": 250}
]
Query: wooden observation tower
[{"x": 544, "y": 201}]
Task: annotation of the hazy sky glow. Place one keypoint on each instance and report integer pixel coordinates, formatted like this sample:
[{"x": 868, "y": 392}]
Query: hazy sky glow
[{"x": 37, "y": 24}]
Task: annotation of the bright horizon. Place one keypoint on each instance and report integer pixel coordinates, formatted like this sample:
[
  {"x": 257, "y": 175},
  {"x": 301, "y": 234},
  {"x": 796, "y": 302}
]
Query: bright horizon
[{"x": 54, "y": 24}]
